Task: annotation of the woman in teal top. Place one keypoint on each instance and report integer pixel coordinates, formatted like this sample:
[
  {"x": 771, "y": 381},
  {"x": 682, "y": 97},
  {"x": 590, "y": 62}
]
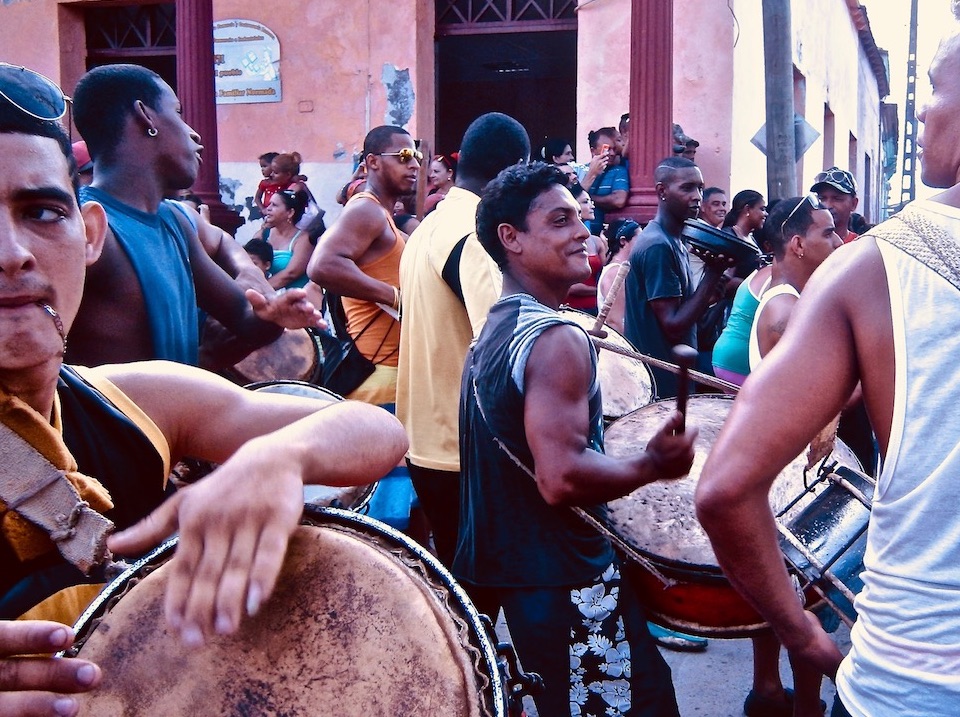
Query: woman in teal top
[
  {"x": 731, "y": 353},
  {"x": 291, "y": 246}
]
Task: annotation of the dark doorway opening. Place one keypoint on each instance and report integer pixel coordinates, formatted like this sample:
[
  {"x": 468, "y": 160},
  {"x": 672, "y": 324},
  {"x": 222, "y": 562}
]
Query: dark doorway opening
[
  {"x": 531, "y": 76},
  {"x": 142, "y": 34}
]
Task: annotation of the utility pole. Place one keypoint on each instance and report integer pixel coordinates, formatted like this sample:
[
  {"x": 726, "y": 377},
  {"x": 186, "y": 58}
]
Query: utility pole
[
  {"x": 778, "y": 84},
  {"x": 908, "y": 187}
]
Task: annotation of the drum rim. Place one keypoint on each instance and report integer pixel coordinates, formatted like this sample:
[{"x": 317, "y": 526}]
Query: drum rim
[{"x": 317, "y": 516}]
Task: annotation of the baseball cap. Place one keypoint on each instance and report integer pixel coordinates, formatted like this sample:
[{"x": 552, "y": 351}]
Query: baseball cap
[
  {"x": 82, "y": 155},
  {"x": 839, "y": 179}
]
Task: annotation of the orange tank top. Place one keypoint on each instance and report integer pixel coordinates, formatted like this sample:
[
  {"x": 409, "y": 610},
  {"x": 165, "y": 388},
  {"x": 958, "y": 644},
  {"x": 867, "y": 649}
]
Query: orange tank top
[{"x": 380, "y": 342}]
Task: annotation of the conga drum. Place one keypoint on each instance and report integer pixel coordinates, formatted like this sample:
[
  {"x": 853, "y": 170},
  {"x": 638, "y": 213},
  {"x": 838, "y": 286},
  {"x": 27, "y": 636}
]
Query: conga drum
[
  {"x": 295, "y": 355},
  {"x": 656, "y": 525},
  {"x": 625, "y": 384},
  {"x": 352, "y": 497},
  {"x": 363, "y": 622}
]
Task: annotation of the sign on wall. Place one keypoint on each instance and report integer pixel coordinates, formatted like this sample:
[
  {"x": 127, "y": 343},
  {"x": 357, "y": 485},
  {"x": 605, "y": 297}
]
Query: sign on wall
[{"x": 246, "y": 62}]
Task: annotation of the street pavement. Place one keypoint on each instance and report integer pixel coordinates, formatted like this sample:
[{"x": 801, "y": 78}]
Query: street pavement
[{"x": 715, "y": 682}]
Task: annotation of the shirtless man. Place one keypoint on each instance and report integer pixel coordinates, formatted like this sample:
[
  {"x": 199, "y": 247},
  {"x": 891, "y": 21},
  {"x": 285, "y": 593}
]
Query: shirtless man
[
  {"x": 230, "y": 548},
  {"x": 141, "y": 296},
  {"x": 872, "y": 313}
]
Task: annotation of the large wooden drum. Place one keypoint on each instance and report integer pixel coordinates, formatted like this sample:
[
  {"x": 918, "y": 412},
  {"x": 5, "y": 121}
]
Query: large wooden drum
[
  {"x": 657, "y": 525},
  {"x": 363, "y": 622}
]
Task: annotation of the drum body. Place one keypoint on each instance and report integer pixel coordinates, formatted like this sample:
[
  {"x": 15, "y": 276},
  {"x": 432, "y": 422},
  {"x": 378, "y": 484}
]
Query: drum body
[
  {"x": 826, "y": 541},
  {"x": 625, "y": 384},
  {"x": 295, "y": 355},
  {"x": 354, "y": 497},
  {"x": 656, "y": 525},
  {"x": 363, "y": 622}
]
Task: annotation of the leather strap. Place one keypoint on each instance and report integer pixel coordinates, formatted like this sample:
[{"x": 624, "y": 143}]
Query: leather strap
[{"x": 38, "y": 491}]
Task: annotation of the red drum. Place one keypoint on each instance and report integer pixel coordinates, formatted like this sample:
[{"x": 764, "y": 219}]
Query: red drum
[
  {"x": 625, "y": 384},
  {"x": 363, "y": 622},
  {"x": 656, "y": 525},
  {"x": 294, "y": 355}
]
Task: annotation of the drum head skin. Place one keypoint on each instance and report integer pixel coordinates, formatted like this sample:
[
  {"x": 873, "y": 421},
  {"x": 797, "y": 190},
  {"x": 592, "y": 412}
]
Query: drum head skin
[
  {"x": 659, "y": 521},
  {"x": 356, "y": 627},
  {"x": 625, "y": 384}
]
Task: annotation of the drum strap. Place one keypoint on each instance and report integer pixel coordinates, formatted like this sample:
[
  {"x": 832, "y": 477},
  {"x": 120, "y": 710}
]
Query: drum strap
[
  {"x": 46, "y": 501},
  {"x": 581, "y": 513},
  {"x": 925, "y": 241}
]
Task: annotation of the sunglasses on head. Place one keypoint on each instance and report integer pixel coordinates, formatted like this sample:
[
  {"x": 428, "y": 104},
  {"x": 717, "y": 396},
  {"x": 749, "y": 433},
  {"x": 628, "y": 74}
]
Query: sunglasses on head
[
  {"x": 814, "y": 204},
  {"x": 32, "y": 93},
  {"x": 405, "y": 155}
]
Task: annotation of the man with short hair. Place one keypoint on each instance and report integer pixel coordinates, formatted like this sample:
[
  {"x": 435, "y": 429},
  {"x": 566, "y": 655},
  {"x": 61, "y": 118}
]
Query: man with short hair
[
  {"x": 607, "y": 180},
  {"x": 837, "y": 190},
  {"x": 140, "y": 300},
  {"x": 99, "y": 442},
  {"x": 442, "y": 268},
  {"x": 883, "y": 311},
  {"x": 662, "y": 305},
  {"x": 713, "y": 208},
  {"x": 358, "y": 259},
  {"x": 531, "y": 447}
]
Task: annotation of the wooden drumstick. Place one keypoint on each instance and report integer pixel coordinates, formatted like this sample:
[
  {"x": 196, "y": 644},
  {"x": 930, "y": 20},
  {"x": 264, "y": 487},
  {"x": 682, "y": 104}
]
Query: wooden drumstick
[
  {"x": 685, "y": 356},
  {"x": 615, "y": 287}
]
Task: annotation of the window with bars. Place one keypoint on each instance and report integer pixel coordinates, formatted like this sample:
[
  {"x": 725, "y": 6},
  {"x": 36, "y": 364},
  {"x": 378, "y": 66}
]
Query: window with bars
[
  {"x": 462, "y": 15},
  {"x": 129, "y": 30}
]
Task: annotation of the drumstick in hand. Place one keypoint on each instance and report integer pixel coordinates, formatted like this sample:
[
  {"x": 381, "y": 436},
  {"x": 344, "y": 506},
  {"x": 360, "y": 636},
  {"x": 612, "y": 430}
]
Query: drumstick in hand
[
  {"x": 615, "y": 287},
  {"x": 685, "y": 356}
]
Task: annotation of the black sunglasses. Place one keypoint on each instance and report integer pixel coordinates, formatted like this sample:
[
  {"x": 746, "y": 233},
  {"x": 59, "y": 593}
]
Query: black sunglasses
[{"x": 32, "y": 93}]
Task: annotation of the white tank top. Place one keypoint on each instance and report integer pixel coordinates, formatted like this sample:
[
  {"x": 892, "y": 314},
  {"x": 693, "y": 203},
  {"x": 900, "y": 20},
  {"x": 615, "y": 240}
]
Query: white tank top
[
  {"x": 770, "y": 293},
  {"x": 905, "y": 655}
]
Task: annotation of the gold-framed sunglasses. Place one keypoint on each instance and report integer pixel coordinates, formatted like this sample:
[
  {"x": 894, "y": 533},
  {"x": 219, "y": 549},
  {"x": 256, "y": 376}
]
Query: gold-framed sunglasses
[
  {"x": 32, "y": 93},
  {"x": 404, "y": 155},
  {"x": 814, "y": 204}
]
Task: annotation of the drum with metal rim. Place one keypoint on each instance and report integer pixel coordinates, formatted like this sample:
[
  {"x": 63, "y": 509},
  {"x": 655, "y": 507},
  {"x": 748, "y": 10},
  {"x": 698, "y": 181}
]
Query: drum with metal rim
[
  {"x": 363, "y": 621},
  {"x": 625, "y": 384},
  {"x": 656, "y": 524}
]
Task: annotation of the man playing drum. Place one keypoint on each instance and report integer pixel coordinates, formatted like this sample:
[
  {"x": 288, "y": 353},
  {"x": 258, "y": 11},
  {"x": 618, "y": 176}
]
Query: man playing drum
[
  {"x": 531, "y": 447},
  {"x": 80, "y": 442},
  {"x": 884, "y": 311}
]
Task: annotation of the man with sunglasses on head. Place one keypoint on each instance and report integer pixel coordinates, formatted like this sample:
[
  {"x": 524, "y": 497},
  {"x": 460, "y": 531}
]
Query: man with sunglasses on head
[
  {"x": 141, "y": 296},
  {"x": 97, "y": 444},
  {"x": 837, "y": 191},
  {"x": 883, "y": 311}
]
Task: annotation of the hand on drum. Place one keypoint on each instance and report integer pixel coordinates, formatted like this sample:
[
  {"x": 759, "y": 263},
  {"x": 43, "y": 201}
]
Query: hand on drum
[
  {"x": 672, "y": 452},
  {"x": 38, "y": 685},
  {"x": 234, "y": 527},
  {"x": 288, "y": 308}
]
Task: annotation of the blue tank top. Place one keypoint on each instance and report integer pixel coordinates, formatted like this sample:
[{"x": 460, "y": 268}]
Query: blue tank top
[
  {"x": 281, "y": 259},
  {"x": 158, "y": 249}
]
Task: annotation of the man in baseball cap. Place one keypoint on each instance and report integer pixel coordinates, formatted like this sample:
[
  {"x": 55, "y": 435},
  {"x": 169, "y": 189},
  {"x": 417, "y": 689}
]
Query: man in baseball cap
[{"x": 837, "y": 190}]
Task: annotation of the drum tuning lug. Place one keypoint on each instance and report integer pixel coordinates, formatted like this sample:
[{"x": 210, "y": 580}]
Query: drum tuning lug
[{"x": 519, "y": 683}]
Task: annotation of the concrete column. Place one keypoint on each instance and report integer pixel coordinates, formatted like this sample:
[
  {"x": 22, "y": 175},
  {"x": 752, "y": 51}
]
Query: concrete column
[
  {"x": 195, "y": 88},
  {"x": 651, "y": 101}
]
